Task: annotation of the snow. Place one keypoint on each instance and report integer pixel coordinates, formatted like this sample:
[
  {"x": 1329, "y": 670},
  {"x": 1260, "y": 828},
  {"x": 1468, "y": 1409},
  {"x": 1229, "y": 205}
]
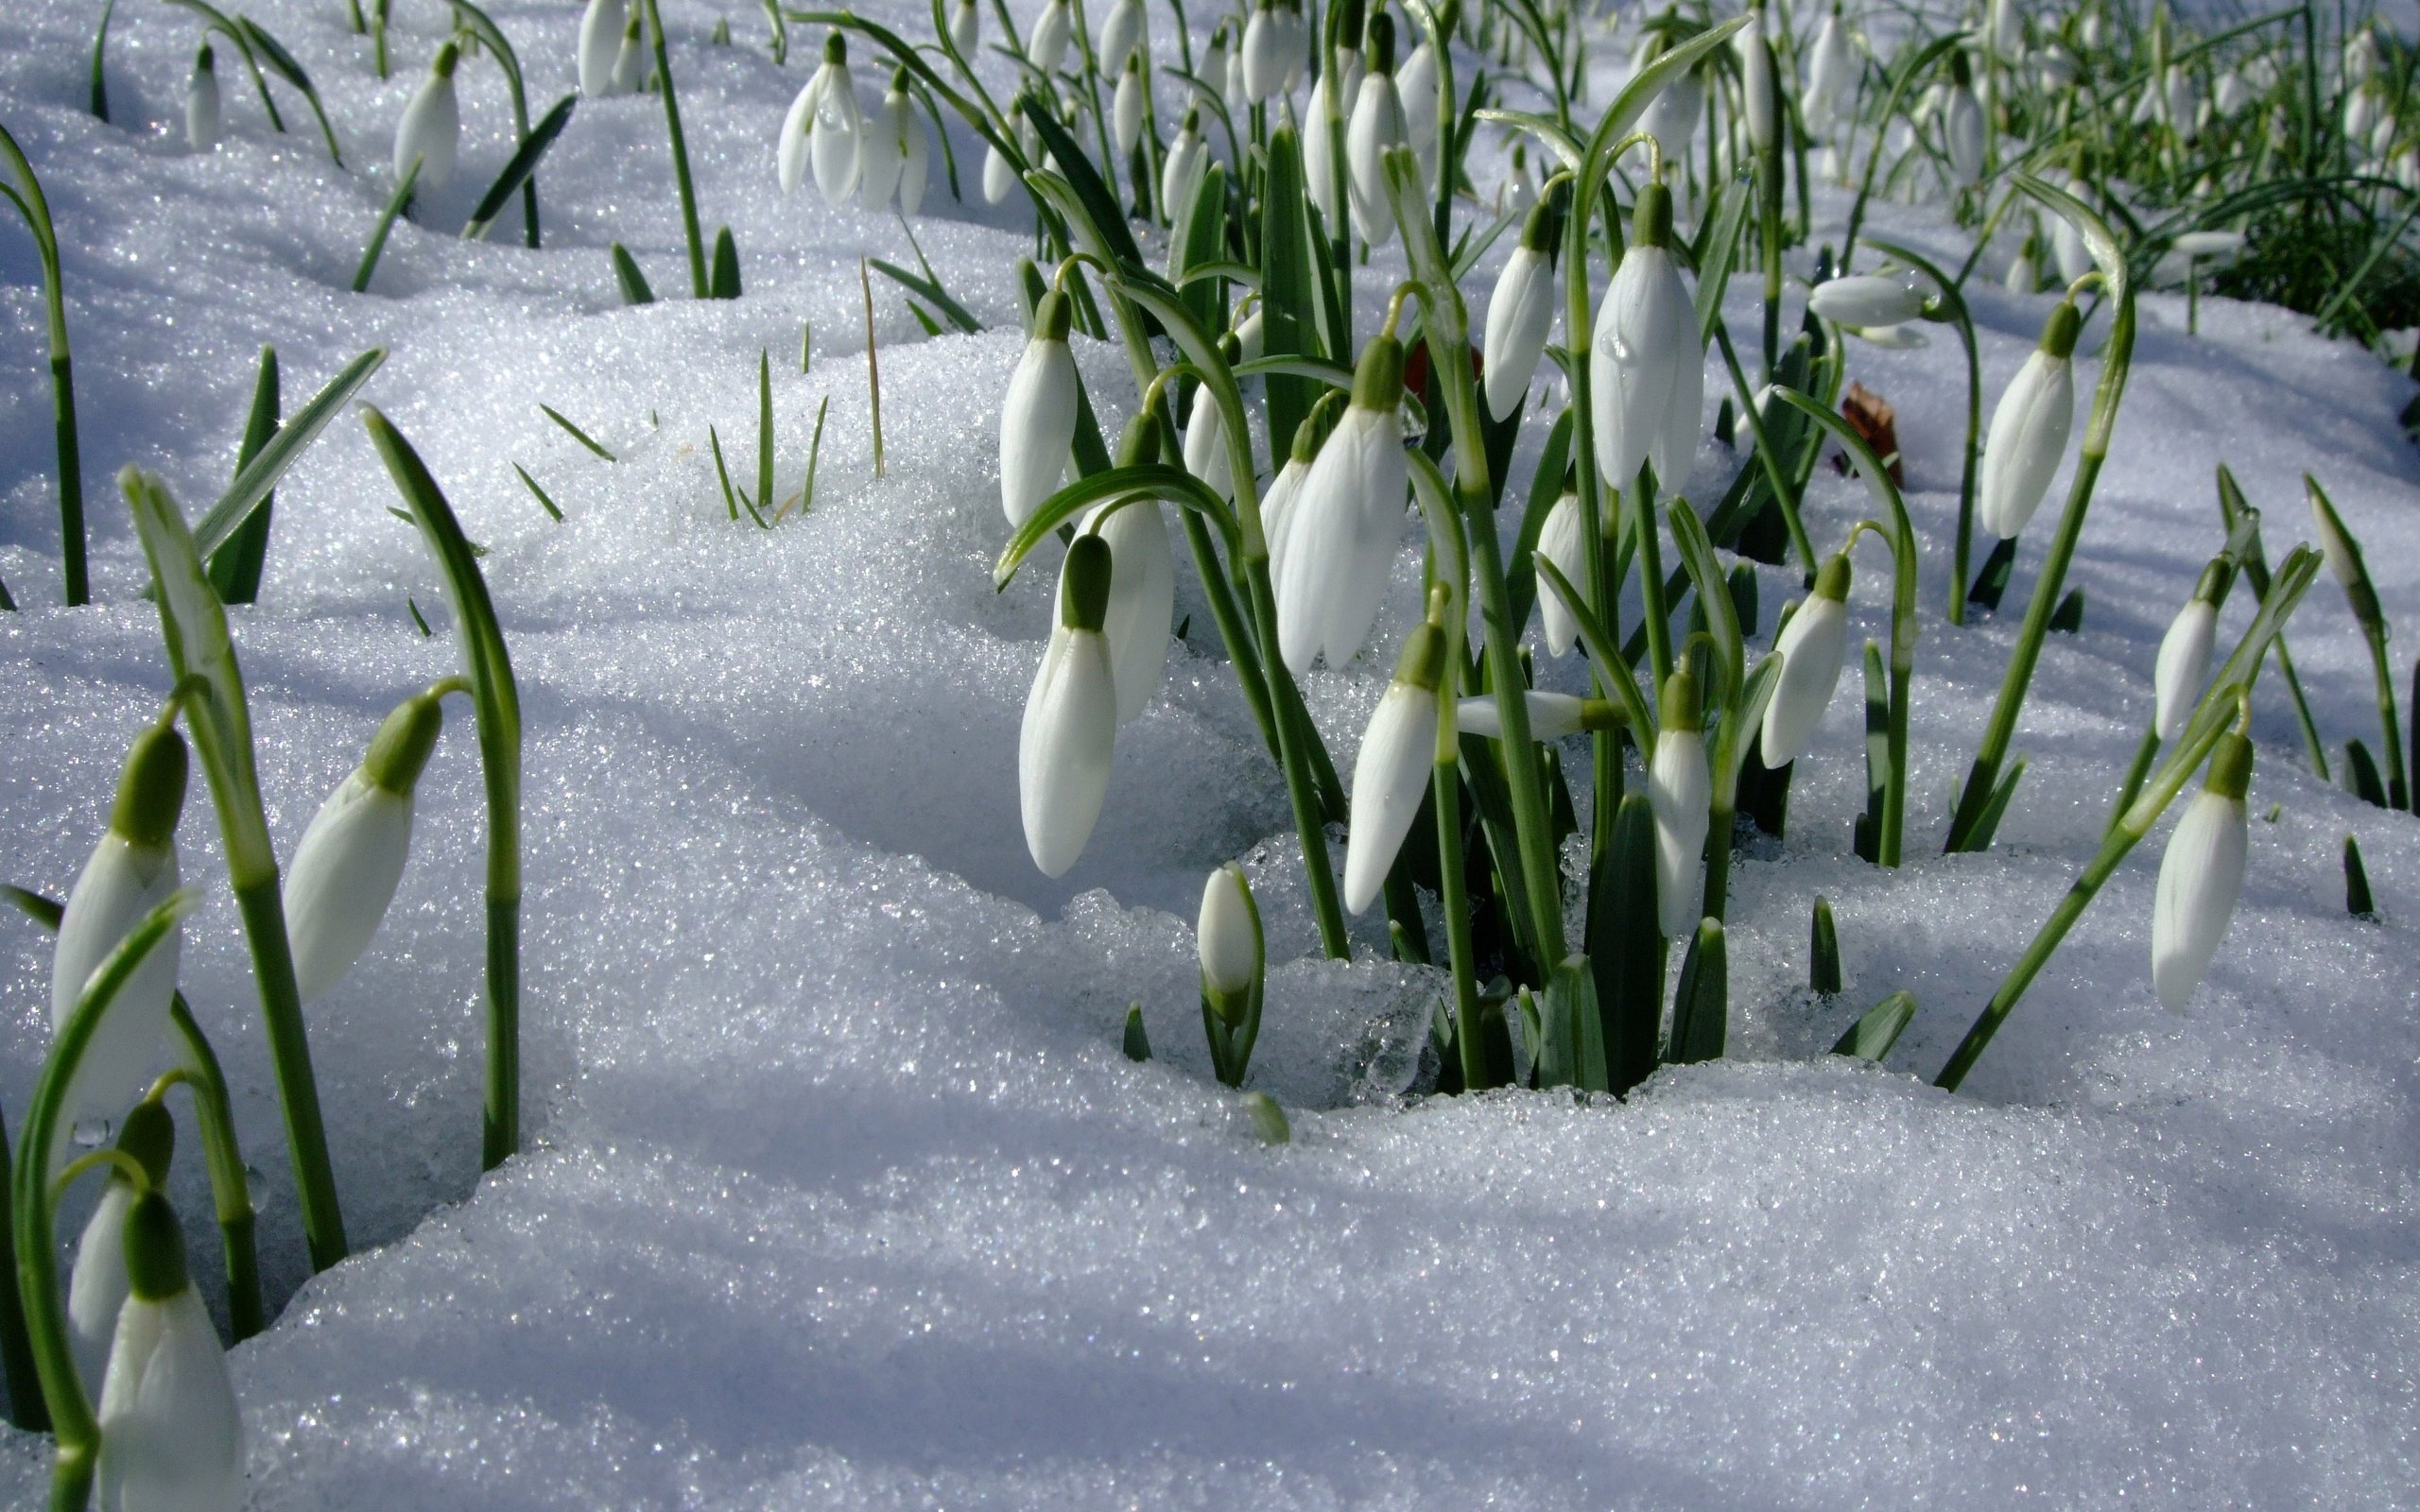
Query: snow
[{"x": 839, "y": 1193}]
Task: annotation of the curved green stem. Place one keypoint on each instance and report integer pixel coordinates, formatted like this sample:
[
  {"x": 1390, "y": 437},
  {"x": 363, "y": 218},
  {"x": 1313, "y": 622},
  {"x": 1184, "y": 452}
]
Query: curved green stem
[{"x": 29, "y": 199}]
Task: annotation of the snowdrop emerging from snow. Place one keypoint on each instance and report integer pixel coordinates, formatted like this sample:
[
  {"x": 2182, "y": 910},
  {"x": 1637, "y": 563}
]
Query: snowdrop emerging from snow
[
  {"x": 1391, "y": 772},
  {"x": 2029, "y": 428},
  {"x": 172, "y": 1437},
  {"x": 1812, "y": 646},
  {"x": 1680, "y": 790},
  {"x": 1142, "y": 581},
  {"x": 431, "y": 128},
  {"x": 132, "y": 871},
  {"x": 1186, "y": 164},
  {"x": 1126, "y": 105},
  {"x": 2201, "y": 876},
  {"x": 1038, "y": 417},
  {"x": 965, "y": 28},
  {"x": 1070, "y": 727},
  {"x": 629, "y": 64},
  {"x": 1759, "y": 84},
  {"x": 1671, "y": 117},
  {"x": 1121, "y": 35},
  {"x": 97, "y": 1286},
  {"x": 202, "y": 103},
  {"x": 346, "y": 867},
  {"x": 1227, "y": 940},
  {"x": 1961, "y": 125},
  {"x": 1552, "y": 715},
  {"x": 1647, "y": 367}
]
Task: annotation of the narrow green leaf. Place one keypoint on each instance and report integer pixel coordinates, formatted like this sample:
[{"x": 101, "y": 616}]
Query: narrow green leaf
[
  {"x": 577, "y": 434},
  {"x": 1702, "y": 1003},
  {"x": 281, "y": 62},
  {"x": 1988, "y": 823},
  {"x": 518, "y": 168},
  {"x": 235, "y": 568},
  {"x": 629, "y": 280},
  {"x": 1878, "y": 1028},
  {"x": 543, "y": 503},
  {"x": 1288, "y": 291},
  {"x": 1138, "y": 1044},
  {"x": 1571, "y": 1044},
  {"x": 258, "y": 476},
  {"x": 395, "y": 203},
  {"x": 2068, "y": 619},
  {"x": 1823, "y": 965},
  {"x": 1624, "y": 948},
  {"x": 931, "y": 292}
]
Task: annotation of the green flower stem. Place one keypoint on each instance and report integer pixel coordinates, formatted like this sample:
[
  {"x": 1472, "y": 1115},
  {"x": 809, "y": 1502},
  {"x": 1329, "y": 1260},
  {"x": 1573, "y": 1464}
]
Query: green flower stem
[
  {"x": 230, "y": 1186},
  {"x": 489, "y": 33},
  {"x": 698, "y": 281},
  {"x": 28, "y": 197},
  {"x": 1953, "y": 310},
  {"x": 1451, "y": 551},
  {"x": 2137, "y": 770},
  {"x": 1975, "y": 798},
  {"x": 76, "y": 1432},
  {"x": 262, "y": 909}
]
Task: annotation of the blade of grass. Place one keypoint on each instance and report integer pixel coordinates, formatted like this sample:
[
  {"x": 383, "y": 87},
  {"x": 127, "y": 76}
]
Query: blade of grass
[
  {"x": 259, "y": 475},
  {"x": 577, "y": 434},
  {"x": 395, "y": 203}
]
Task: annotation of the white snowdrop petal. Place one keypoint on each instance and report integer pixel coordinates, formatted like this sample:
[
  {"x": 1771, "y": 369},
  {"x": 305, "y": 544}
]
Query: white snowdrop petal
[
  {"x": 1037, "y": 427},
  {"x": 1519, "y": 315},
  {"x": 1389, "y": 777},
  {"x": 1142, "y": 599},
  {"x": 120, "y": 884},
  {"x": 342, "y": 878},
  {"x": 1563, "y": 539},
  {"x": 172, "y": 1437},
  {"x": 1065, "y": 747},
  {"x": 1680, "y": 790},
  {"x": 1812, "y": 645},
  {"x": 2201, "y": 876}
]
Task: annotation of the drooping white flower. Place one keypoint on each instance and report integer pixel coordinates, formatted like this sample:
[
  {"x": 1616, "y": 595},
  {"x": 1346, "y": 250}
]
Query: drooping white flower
[
  {"x": 2231, "y": 94},
  {"x": 915, "y": 163},
  {"x": 1186, "y": 164},
  {"x": 172, "y": 1437},
  {"x": 96, "y": 1287},
  {"x": 1319, "y": 161},
  {"x": 1391, "y": 773},
  {"x": 1286, "y": 489},
  {"x": 202, "y": 103},
  {"x": 1231, "y": 88},
  {"x": 1142, "y": 581},
  {"x": 2067, "y": 244},
  {"x": 629, "y": 64},
  {"x": 2201, "y": 876},
  {"x": 1562, "y": 540},
  {"x": 2029, "y": 428},
  {"x": 1126, "y": 105},
  {"x": 132, "y": 871},
  {"x": 1038, "y": 417},
  {"x": 1517, "y": 195},
  {"x": 1121, "y": 35},
  {"x": 1831, "y": 74},
  {"x": 1869, "y": 299},
  {"x": 1226, "y": 934},
  {"x": 965, "y": 27},
  {"x": 2007, "y": 30},
  {"x": 1347, "y": 522},
  {"x": 431, "y": 128},
  {"x": 1045, "y": 46},
  {"x": 2183, "y": 99},
  {"x": 600, "y": 45},
  {"x": 1963, "y": 132},
  {"x": 884, "y": 156},
  {"x": 1679, "y": 791},
  {"x": 2184, "y": 663},
  {"x": 836, "y": 134},
  {"x": 1205, "y": 445},
  {"x": 1070, "y": 728},
  {"x": 1520, "y": 314},
  {"x": 999, "y": 171},
  {"x": 1263, "y": 53},
  {"x": 1297, "y": 49},
  {"x": 346, "y": 867},
  {"x": 1646, "y": 362},
  {"x": 1812, "y": 646},
  {"x": 1213, "y": 71},
  {"x": 1760, "y": 86},
  {"x": 1250, "y": 334},
  {"x": 2024, "y": 274},
  {"x": 1671, "y": 117},
  {"x": 1552, "y": 715}
]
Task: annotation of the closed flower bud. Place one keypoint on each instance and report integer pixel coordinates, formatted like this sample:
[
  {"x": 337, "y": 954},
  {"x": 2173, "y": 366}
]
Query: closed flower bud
[
  {"x": 132, "y": 871},
  {"x": 346, "y": 867},
  {"x": 888, "y": 141},
  {"x": 1391, "y": 771},
  {"x": 2029, "y": 428},
  {"x": 836, "y": 130},
  {"x": 1519, "y": 315},
  {"x": 432, "y": 124},
  {"x": 1552, "y": 715},
  {"x": 1812, "y": 646},
  {"x": 2343, "y": 557},
  {"x": 1869, "y": 299},
  {"x": 629, "y": 64},
  {"x": 1962, "y": 126},
  {"x": 96, "y": 1287},
  {"x": 1126, "y": 106},
  {"x": 1070, "y": 729},
  {"x": 1757, "y": 83},
  {"x": 1142, "y": 579},
  {"x": 1045, "y": 46},
  {"x": 1416, "y": 92},
  {"x": 1562, "y": 541},
  {"x": 1187, "y": 162},
  {"x": 1038, "y": 417},
  {"x": 1646, "y": 362},
  {"x": 1671, "y": 117},
  {"x": 1347, "y": 522},
  {"x": 1227, "y": 935},
  {"x": 600, "y": 44},
  {"x": 2201, "y": 876},
  {"x": 2183, "y": 661},
  {"x": 965, "y": 28},
  {"x": 1121, "y": 35},
  {"x": 1206, "y": 446},
  {"x": 1318, "y": 164},
  {"x": 1264, "y": 54},
  {"x": 1831, "y": 74},
  {"x": 172, "y": 1437},
  {"x": 1679, "y": 791},
  {"x": 202, "y": 103},
  {"x": 1286, "y": 490}
]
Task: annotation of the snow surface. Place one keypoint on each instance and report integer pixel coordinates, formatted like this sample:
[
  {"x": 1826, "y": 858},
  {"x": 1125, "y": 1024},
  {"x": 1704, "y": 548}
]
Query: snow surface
[{"x": 838, "y": 1192}]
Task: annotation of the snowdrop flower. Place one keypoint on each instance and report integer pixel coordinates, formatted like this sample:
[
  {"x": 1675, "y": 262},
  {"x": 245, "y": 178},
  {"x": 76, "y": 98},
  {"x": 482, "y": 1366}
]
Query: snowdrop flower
[
  {"x": 1297, "y": 49},
  {"x": 202, "y": 103},
  {"x": 1248, "y": 334},
  {"x": 346, "y": 867},
  {"x": 836, "y": 138},
  {"x": 1518, "y": 194},
  {"x": 1962, "y": 125},
  {"x": 1232, "y": 87},
  {"x": 1205, "y": 441},
  {"x": 1319, "y": 163},
  {"x": 1126, "y": 106},
  {"x": 2067, "y": 244},
  {"x": 2201, "y": 876},
  {"x": 1263, "y": 53},
  {"x": 1552, "y": 715},
  {"x": 2361, "y": 56},
  {"x": 1831, "y": 72},
  {"x": 965, "y": 28},
  {"x": 1213, "y": 63},
  {"x": 600, "y": 45},
  {"x": 916, "y": 150},
  {"x": 2343, "y": 555},
  {"x": 131, "y": 871},
  {"x": 432, "y": 124},
  {"x": 2007, "y": 30},
  {"x": 2210, "y": 246},
  {"x": 1186, "y": 164},
  {"x": 2183, "y": 661},
  {"x": 1519, "y": 315},
  {"x": 1038, "y": 417},
  {"x": 1416, "y": 92},
  {"x": 999, "y": 172},
  {"x": 2029, "y": 428},
  {"x": 1811, "y": 647},
  {"x": 1391, "y": 772},
  {"x": 1671, "y": 117},
  {"x": 2091, "y": 29},
  {"x": 96, "y": 1287},
  {"x": 1121, "y": 35},
  {"x": 1869, "y": 299},
  {"x": 1347, "y": 522},
  {"x": 1045, "y": 46},
  {"x": 1227, "y": 940},
  {"x": 1142, "y": 579},
  {"x": 1562, "y": 540},
  {"x": 1070, "y": 717},
  {"x": 887, "y": 138},
  {"x": 1645, "y": 363},
  {"x": 1277, "y": 505},
  {"x": 2025, "y": 273},
  {"x": 629, "y": 64},
  {"x": 1758, "y": 84},
  {"x": 172, "y": 1439},
  {"x": 1680, "y": 790}
]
